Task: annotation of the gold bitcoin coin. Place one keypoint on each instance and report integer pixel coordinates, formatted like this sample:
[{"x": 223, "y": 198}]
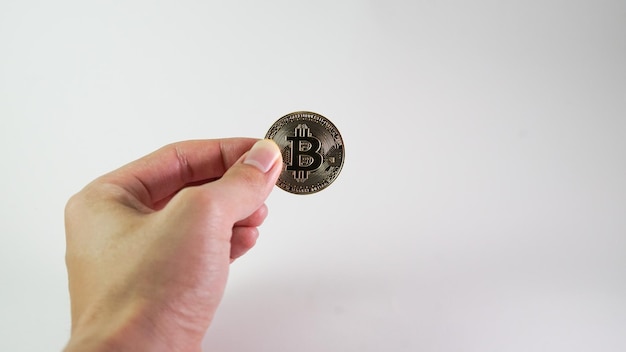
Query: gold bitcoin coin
[{"x": 312, "y": 151}]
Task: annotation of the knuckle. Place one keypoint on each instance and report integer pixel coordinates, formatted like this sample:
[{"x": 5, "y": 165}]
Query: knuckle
[
  {"x": 198, "y": 198},
  {"x": 251, "y": 179},
  {"x": 74, "y": 204}
]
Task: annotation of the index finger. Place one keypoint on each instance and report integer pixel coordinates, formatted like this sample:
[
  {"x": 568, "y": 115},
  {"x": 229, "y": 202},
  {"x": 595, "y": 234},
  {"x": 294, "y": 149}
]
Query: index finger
[{"x": 166, "y": 171}]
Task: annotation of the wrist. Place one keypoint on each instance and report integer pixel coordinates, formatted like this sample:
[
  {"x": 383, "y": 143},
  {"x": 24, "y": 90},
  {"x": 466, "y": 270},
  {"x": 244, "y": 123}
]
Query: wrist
[{"x": 129, "y": 329}]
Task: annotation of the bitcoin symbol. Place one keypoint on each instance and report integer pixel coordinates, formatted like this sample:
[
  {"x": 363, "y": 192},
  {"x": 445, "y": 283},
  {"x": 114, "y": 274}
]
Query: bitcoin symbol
[
  {"x": 305, "y": 153},
  {"x": 312, "y": 151}
]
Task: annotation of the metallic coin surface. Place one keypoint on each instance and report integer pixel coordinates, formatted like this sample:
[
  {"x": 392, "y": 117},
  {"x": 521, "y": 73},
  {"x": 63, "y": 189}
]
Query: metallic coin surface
[{"x": 312, "y": 150}]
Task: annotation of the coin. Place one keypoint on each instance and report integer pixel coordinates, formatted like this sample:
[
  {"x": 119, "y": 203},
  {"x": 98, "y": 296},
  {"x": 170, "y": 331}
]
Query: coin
[{"x": 312, "y": 151}]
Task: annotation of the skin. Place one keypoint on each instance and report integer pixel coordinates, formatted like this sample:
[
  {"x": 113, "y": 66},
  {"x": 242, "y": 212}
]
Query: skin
[{"x": 149, "y": 245}]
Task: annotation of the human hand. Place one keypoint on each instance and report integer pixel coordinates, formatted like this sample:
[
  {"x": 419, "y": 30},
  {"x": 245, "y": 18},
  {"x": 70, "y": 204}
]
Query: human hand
[{"x": 149, "y": 245}]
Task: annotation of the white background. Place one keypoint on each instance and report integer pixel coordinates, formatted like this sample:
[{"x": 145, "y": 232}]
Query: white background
[{"x": 482, "y": 205}]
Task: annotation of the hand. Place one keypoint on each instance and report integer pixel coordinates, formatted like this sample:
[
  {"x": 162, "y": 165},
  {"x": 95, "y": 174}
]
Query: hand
[{"x": 149, "y": 245}]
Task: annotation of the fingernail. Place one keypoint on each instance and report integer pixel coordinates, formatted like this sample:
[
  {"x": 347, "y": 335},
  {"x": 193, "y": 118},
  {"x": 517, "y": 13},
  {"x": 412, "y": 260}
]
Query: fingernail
[{"x": 262, "y": 155}]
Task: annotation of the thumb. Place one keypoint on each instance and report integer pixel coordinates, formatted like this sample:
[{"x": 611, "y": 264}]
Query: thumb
[{"x": 245, "y": 185}]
